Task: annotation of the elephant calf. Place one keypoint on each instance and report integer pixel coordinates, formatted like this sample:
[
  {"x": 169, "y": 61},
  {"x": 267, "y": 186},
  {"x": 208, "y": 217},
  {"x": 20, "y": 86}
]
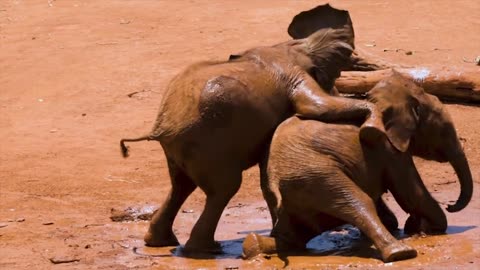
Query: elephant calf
[
  {"x": 216, "y": 119},
  {"x": 326, "y": 177}
]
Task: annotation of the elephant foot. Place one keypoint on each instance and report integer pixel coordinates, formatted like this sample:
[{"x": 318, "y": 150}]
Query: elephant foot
[
  {"x": 255, "y": 244},
  {"x": 202, "y": 246},
  {"x": 372, "y": 134},
  {"x": 251, "y": 246},
  {"x": 398, "y": 251},
  {"x": 413, "y": 225},
  {"x": 153, "y": 239}
]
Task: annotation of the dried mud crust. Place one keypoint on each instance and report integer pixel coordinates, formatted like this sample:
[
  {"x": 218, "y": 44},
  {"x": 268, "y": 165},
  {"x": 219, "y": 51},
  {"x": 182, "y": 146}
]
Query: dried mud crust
[{"x": 76, "y": 76}]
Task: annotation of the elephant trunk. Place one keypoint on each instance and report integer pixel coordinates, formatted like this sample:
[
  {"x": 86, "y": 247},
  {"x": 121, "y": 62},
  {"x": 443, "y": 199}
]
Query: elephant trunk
[{"x": 460, "y": 165}]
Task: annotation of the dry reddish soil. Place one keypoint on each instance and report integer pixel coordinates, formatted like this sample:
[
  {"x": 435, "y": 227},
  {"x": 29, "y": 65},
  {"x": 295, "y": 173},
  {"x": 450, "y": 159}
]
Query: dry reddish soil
[{"x": 77, "y": 75}]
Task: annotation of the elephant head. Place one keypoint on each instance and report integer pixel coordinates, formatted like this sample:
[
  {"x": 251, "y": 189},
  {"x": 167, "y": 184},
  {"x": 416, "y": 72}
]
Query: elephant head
[{"x": 418, "y": 123}]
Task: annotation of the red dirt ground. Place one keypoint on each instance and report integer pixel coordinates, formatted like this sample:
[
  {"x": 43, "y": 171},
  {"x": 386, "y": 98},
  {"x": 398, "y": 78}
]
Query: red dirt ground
[{"x": 67, "y": 69}]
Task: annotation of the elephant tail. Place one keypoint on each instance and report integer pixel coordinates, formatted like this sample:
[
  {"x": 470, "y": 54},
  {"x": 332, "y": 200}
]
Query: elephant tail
[{"x": 124, "y": 148}]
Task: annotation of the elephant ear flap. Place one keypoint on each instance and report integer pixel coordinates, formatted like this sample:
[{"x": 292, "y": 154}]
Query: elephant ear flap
[
  {"x": 330, "y": 53},
  {"x": 400, "y": 124},
  {"x": 400, "y": 110},
  {"x": 308, "y": 22}
]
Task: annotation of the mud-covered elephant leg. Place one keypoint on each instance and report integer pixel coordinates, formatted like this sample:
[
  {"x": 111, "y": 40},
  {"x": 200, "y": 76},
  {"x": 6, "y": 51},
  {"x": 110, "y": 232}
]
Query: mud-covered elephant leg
[
  {"x": 268, "y": 192},
  {"x": 219, "y": 186},
  {"x": 426, "y": 215},
  {"x": 160, "y": 232},
  {"x": 311, "y": 102},
  {"x": 288, "y": 234},
  {"x": 386, "y": 215},
  {"x": 357, "y": 208}
]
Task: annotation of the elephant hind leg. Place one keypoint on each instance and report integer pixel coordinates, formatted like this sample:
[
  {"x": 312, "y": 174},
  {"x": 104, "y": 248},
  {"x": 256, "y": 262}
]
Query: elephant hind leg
[
  {"x": 354, "y": 206},
  {"x": 270, "y": 191},
  {"x": 219, "y": 186},
  {"x": 272, "y": 199},
  {"x": 160, "y": 232},
  {"x": 288, "y": 234}
]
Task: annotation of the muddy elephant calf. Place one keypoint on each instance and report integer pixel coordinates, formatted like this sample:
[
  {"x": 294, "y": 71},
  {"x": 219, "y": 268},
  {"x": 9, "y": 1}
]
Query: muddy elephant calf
[
  {"x": 326, "y": 177},
  {"x": 216, "y": 119}
]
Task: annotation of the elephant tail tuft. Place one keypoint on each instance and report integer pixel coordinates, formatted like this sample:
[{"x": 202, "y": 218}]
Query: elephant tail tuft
[{"x": 124, "y": 148}]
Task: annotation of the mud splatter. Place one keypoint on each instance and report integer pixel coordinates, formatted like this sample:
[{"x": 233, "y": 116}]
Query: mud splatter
[
  {"x": 419, "y": 74},
  {"x": 132, "y": 213}
]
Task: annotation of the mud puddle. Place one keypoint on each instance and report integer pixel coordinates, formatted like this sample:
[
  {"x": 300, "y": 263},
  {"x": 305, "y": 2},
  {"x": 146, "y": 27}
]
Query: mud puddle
[{"x": 342, "y": 248}]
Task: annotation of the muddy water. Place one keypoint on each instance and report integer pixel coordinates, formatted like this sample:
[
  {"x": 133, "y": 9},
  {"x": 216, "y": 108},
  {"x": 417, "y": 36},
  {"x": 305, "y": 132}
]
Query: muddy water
[
  {"x": 343, "y": 248},
  {"x": 351, "y": 253},
  {"x": 331, "y": 250},
  {"x": 98, "y": 242}
]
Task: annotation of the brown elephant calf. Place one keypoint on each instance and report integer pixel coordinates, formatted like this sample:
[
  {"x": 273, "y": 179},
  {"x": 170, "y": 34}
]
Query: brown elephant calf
[
  {"x": 326, "y": 177},
  {"x": 216, "y": 119}
]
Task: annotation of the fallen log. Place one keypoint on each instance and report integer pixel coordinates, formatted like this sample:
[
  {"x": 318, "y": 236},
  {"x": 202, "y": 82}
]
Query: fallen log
[{"x": 447, "y": 83}]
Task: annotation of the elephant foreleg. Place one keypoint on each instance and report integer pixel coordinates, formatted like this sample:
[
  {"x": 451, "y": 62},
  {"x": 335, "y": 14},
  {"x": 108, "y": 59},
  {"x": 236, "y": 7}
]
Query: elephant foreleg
[
  {"x": 413, "y": 197},
  {"x": 310, "y": 101},
  {"x": 386, "y": 215}
]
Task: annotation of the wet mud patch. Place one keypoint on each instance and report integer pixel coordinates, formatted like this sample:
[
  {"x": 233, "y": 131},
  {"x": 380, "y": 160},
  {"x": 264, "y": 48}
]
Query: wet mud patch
[
  {"x": 338, "y": 239},
  {"x": 132, "y": 213},
  {"x": 342, "y": 248}
]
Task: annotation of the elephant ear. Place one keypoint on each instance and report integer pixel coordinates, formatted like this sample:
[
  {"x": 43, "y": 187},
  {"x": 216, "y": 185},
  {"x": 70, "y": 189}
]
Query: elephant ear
[
  {"x": 330, "y": 53},
  {"x": 400, "y": 108},
  {"x": 308, "y": 22}
]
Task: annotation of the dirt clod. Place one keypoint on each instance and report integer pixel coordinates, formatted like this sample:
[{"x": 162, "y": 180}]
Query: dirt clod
[
  {"x": 60, "y": 260},
  {"x": 131, "y": 214}
]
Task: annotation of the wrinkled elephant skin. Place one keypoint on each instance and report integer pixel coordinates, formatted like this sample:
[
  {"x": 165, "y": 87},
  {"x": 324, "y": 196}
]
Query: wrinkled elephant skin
[
  {"x": 318, "y": 175},
  {"x": 216, "y": 119}
]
